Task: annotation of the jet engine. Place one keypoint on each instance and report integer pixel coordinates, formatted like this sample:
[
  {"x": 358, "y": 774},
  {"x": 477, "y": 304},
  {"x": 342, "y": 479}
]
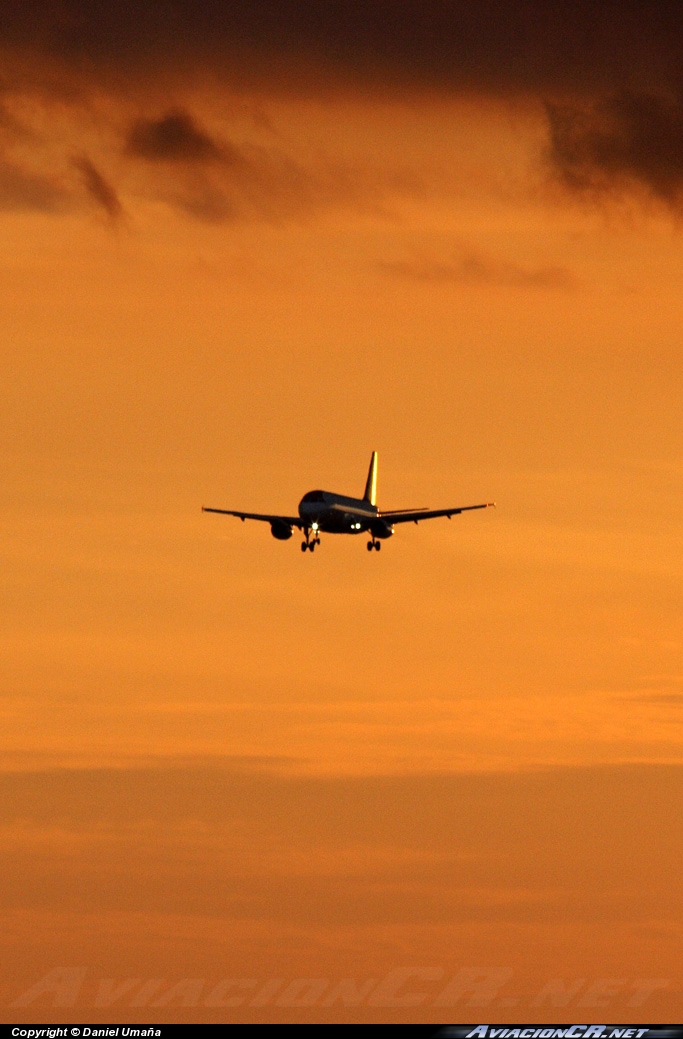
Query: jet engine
[
  {"x": 281, "y": 530},
  {"x": 379, "y": 528}
]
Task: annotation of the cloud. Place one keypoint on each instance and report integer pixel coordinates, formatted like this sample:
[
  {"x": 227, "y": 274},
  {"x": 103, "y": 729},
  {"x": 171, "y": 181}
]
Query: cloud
[
  {"x": 475, "y": 268},
  {"x": 86, "y": 52},
  {"x": 22, "y": 190},
  {"x": 624, "y": 140},
  {"x": 213, "y": 180},
  {"x": 175, "y": 137},
  {"x": 12, "y": 128},
  {"x": 675, "y": 699},
  {"x": 371, "y": 849},
  {"x": 206, "y": 202},
  {"x": 487, "y": 44},
  {"x": 171, "y": 157},
  {"x": 99, "y": 188}
]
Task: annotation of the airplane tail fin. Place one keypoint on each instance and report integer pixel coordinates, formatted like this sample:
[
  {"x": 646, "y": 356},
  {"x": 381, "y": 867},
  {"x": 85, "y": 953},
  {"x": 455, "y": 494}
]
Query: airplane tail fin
[{"x": 371, "y": 482}]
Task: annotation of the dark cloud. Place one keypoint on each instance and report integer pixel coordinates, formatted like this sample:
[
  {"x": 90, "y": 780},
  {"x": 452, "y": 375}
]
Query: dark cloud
[
  {"x": 22, "y": 190},
  {"x": 475, "y": 268},
  {"x": 623, "y": 140},
  {"x": 494, "y": 44},
  {"x": 99, "y": 188},
  {"x": 625, "y": 50},
  {"x": 175, "y": 137},
  {"x": 264, "y": 184},
  {"x": 214, "y": 181}
]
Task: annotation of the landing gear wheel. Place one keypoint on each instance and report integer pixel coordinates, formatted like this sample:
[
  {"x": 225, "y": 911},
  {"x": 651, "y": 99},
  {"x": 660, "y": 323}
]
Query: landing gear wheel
[
  {"x": 378, "y": 545},
  {"x": 370, "y": 546},
  {"x": 312, "y": 545},
  {"x": 304, "y": 546}
]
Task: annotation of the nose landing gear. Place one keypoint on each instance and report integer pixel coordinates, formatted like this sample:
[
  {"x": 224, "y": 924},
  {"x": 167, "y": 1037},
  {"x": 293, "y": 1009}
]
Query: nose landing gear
[
  {"x": 310, "y": 542},
  {"x": 374, "y": 544}
]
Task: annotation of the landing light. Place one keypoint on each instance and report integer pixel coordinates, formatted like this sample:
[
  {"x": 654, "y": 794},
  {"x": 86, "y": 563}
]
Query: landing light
[{"x": 314, "y": 526}]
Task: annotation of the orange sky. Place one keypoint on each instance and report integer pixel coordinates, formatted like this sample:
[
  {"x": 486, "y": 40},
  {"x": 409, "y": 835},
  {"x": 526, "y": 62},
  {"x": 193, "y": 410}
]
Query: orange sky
[{"x": 226, "y": 761}]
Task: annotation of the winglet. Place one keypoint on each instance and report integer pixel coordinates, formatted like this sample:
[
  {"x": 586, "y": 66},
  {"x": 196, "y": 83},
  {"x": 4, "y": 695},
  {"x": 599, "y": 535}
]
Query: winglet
[{"x": 371, "y": 482}]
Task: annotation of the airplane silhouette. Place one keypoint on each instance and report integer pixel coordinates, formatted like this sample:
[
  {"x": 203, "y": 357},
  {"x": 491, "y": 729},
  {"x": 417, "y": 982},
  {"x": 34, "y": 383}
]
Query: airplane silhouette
[{"x": 323, "y": 511}]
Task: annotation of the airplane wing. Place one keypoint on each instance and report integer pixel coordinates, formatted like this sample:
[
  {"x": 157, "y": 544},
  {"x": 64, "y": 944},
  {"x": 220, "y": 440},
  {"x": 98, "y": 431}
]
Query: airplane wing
[
  {"x": 291, "y": 521},
  {"x": 423, "y": 514}
]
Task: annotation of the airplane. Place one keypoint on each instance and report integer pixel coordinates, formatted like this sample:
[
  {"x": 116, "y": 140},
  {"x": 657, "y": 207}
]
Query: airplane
[{"x": 323, "y": 511}]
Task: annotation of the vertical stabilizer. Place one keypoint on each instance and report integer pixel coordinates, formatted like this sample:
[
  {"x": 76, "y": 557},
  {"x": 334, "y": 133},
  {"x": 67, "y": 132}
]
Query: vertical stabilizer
[{"x": 371, "y": 483}]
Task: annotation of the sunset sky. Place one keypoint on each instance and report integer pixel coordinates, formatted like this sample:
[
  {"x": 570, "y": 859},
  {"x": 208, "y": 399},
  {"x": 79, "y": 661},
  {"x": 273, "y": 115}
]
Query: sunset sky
[{"x": 244, "y": 245}]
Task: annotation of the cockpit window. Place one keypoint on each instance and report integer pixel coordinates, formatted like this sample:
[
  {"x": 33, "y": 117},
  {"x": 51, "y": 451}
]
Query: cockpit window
[{"x": 314, "y": 496}]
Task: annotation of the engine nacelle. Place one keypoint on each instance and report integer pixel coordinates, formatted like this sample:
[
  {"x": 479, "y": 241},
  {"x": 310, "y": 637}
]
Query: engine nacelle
[
  {"x": 379, "y": 528},
  {"x": 281, "y": 530}
]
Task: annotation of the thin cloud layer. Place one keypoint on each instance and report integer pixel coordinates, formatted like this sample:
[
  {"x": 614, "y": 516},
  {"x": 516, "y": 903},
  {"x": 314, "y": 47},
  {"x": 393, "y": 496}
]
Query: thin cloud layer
[
  {"x": 345, "y": 850},
  {"x": 23, "y": 190},
  {"x": 211, "y": 179},
  {"x": 474, "y": 268},
  {"x": 172, "y": 158},
  {"x": 99, "y": 188}
]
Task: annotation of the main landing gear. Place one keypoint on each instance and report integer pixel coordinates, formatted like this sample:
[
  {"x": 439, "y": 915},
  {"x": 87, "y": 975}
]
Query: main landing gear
[{"x": 374, "y": 544}]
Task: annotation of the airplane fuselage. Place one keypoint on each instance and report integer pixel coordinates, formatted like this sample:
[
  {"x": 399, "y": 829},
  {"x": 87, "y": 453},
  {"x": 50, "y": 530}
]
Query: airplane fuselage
[{"x": 339, "y": 514}]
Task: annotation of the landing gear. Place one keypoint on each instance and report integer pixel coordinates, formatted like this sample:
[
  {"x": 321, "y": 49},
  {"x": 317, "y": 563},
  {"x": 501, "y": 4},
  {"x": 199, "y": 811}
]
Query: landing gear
[
  {"x": 310, "y": 542},
  {"x": 374, "y": 544}
]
